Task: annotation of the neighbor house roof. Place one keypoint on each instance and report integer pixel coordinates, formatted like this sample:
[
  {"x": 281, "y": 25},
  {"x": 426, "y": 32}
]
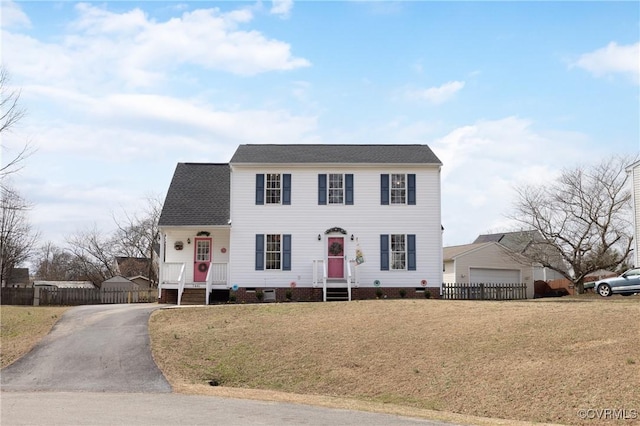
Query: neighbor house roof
[
  {"x": 335, "y": 154},
  {"x": 516, "y": 241},
  {"x": 18, "y": 276},
  {"x": 118, "y": 279},
  {"x": 198, "y": 196},
  {"x": 450, "y": 253}
]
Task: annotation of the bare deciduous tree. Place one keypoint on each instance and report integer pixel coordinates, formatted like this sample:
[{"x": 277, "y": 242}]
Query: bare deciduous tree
[
  {"x": 584, "y": 217},
  {"x": 54, "y": 263},
  {"x": 138, "y": 235},
  {"x": 10, "y": 114},
  {"x": 17, "y": 238},
  {"x": 93, "y": 255}
]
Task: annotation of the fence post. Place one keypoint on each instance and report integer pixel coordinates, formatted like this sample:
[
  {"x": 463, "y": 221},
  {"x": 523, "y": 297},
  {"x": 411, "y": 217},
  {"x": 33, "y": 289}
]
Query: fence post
[{"x": 36, "y": 296}]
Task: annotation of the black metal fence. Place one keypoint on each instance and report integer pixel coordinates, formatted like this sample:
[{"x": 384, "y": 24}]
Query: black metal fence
[
  {"x": 75, "y": 296},
  {"x": 484, "y": 291}
]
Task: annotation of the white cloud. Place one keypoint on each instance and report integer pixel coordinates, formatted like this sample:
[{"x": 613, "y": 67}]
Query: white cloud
[
  {"x": 12, "y": 16},
  {"x": 484, "y": 161},
  {"x": 103, "y": 49},
  {"x": 281, "y": 8},
  {"x": 436, "y": 95},
  {"x": 613, "y": 59}
]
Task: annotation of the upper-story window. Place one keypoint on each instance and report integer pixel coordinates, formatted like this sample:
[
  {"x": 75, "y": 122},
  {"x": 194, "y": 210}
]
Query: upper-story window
[
  {"x": 335, "y": 188},
  {"x": 398, "y": 188},
  {"x": 272, "y": 195},
  {"x": 273, "y": 188}
]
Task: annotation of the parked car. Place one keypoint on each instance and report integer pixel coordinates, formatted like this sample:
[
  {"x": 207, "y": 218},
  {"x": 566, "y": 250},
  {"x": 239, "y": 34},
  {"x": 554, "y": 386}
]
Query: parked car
[{"x": 626, "y": 284}]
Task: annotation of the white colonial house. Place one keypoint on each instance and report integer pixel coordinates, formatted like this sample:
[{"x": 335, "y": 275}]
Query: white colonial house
[
  {"x": 303, "y": 222},
  {"x": 634, "y": 173}
]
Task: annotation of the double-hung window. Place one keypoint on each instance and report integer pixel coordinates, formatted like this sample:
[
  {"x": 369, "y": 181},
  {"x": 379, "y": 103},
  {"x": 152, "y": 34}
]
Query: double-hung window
[
  {"x": 398, "y": 252},
  {"x": 273, "y": 188},
  {"x": 272, "y": 194},
  {"x": 335, "y": 188},
  {"x": 398, "y": 188},
  {"x": 273, "y": 252}
]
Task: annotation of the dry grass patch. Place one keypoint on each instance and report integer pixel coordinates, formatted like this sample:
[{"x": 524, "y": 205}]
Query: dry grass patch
[
  {"x": 531, "y": 361},
  {"x": 21, "y": 327}
]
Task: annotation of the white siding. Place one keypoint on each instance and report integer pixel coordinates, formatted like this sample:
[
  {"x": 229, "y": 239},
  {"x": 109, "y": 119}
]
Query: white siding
[{"x": 304, "y": 219}]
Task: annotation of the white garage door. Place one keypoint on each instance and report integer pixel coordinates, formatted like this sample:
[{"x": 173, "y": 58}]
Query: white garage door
[{"x": 498, "y": 276}]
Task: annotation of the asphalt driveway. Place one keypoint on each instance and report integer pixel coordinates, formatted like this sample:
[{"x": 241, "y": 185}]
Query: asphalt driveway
[
  {"x": 95, "y": 368},
  {"x": 94, "y": 348}
]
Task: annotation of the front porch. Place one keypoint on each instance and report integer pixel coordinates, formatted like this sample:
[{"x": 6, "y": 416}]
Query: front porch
[{"x": 173, "y": 276}]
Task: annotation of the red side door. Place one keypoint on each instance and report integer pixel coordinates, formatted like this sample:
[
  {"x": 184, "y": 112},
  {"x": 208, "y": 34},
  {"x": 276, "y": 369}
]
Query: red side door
[{"x": 202, "y": 259}]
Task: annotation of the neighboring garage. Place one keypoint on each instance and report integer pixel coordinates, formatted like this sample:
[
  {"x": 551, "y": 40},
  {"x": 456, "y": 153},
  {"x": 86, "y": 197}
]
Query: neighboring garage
[
  {"x": 493, "y": 275},
  {"x": 488, "y": 263}
]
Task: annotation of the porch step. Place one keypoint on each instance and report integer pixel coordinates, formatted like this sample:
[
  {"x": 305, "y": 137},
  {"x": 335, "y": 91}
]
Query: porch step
[
  {"x": 193, "y": 296},
  {"x": 337, "y": 294}
]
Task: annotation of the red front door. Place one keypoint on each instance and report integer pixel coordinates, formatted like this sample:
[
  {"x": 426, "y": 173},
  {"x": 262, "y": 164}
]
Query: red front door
[
  {"x": 202, "y": 259},
  {"x": 335, "y": 257}
]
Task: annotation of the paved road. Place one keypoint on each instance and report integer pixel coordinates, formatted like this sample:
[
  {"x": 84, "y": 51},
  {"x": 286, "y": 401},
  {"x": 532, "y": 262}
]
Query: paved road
[
  {"x": 87, "y": 409},
  {"x": 96, "y": 368}
]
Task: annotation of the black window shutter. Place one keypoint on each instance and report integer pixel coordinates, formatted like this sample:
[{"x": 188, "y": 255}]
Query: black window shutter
[
  {"x": 384, "y": 190},
  {"x": 259, "y": 188},
  {"x": 286, "y": 252},
  {"x": 411, "y": 189},
  {"x": 348, "y": 183},
  {"x": 259, "y": 252},
  {"x": 411, "y": 252},
  {"x": 322, "y": 189},
  {"x": 384, "y": 252},
  {"x": 286, "y": 189}
]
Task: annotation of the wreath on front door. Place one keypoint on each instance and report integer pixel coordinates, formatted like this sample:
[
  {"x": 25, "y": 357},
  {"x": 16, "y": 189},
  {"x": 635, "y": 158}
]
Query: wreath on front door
[{"x": 335, "y": 249}]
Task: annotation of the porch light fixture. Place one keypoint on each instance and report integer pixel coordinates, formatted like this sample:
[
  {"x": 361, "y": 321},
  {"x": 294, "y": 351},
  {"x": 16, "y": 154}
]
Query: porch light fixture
[
  {"x": 319, "y": 237},
  {"x": 351, "y": 237},
  {"x": 188, "y": 240}
]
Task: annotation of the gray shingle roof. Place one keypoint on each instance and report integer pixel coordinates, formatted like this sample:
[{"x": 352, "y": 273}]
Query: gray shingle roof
[
  {"x": 515, "y": 241},
  {"x": 198, "y": 196},
  {"x": 335, "y": 154},
  {"x": 451, "y": 252}
]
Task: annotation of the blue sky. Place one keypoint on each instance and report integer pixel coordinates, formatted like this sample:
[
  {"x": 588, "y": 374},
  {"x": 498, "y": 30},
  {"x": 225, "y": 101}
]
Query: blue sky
[{"x": 505, "y": 93}]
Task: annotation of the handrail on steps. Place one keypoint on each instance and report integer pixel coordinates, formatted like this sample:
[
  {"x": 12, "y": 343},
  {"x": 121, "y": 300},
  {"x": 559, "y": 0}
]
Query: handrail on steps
[{"x": 181, "y": 282}]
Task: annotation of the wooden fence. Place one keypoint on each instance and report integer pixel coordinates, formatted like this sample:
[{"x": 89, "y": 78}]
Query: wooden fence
[
  {"x": 75, "y": 296},
  {"x": 484, "y": 291},
  {"x": 16, "y": 296}
]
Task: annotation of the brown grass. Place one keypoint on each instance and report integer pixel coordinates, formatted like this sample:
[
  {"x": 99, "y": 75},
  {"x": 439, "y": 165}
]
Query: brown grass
[
  {"x": 537, "y": 361},
  {"x": 21, "y": 327}
]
